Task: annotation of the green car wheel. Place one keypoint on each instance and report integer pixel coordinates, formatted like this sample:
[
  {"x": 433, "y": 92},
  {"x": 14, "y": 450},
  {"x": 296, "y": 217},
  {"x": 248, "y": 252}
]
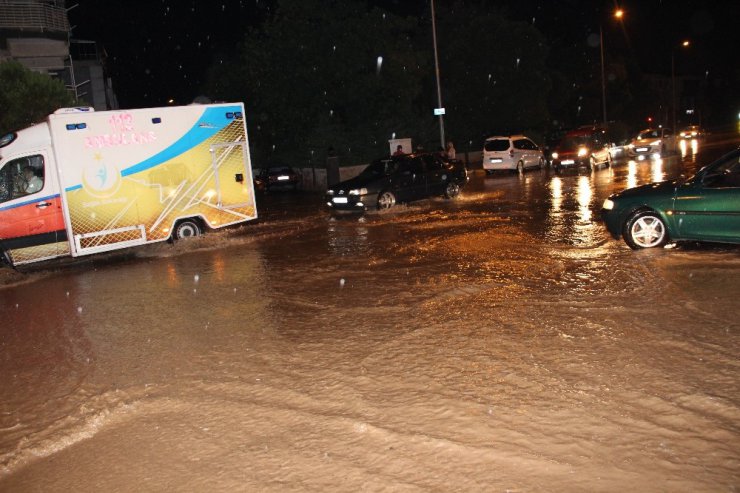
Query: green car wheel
[{"x": 645, "y": 229}]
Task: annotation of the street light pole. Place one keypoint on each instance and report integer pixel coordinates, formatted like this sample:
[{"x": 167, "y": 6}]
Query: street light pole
[
  {"x": 618, "y": 14},
  {"x": 673, "y": 86},
  {"x": 685, "y": 44},
  {"x": 439, "y": 87},
  {"x": 603, "y": 78}
]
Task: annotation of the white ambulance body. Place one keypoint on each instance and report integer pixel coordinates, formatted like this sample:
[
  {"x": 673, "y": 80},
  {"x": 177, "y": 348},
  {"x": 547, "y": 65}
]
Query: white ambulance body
[{"x": 85, "y": 182}]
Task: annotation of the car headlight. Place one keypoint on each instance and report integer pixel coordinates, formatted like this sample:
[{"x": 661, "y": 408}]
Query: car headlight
[
  {"x": 608, "y": 204},
  {"x": 655, "y": 143},
  {"x": 554, "y": 155},
  {"x": 582, "y": 151},
  {"x": 358, "y": 191},
  {"x": 330, "y": 192}
]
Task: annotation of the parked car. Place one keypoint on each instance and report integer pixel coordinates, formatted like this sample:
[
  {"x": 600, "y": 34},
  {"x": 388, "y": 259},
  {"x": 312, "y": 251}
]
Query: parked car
[
  {"x": 691, "y": 132},
  {"x": 278, "y": 177},
  {"x": 652, "y": 142},
  {"x": 513, "y": 153},
  {"x": 388, "y": 181},
  {"x": 586, "y": 147},
  {"x": 705, "y": 207}
]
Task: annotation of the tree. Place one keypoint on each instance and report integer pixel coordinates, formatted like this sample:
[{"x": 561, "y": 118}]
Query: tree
[
  {"x": 322, "y": 74},
  {"x": 28, "y": 97},
  {"x": 494, "y": 75},
  {"x": 343, "y": 74}
]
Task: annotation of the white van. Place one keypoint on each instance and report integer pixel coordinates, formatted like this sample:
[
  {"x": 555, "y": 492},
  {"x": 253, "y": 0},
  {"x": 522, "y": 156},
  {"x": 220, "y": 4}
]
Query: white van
[{"x": 512, "y": 153}]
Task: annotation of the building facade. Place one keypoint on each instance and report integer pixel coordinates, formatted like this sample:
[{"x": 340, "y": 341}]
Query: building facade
[{"x": 37, "y": 34}]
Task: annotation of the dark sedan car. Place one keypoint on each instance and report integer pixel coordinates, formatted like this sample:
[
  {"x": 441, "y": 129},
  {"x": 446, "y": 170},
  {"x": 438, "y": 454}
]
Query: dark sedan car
[
  {"x": 277, "y": 177},
  {"x": 406, "y": 178},
  {"x": 705, "y": 207}
]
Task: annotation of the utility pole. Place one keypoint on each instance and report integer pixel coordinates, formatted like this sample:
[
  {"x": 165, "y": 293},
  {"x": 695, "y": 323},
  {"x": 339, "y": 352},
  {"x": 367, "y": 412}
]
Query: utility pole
[
  {"x": 603, "y": 78},
  {"x": 439, "y": 88}
]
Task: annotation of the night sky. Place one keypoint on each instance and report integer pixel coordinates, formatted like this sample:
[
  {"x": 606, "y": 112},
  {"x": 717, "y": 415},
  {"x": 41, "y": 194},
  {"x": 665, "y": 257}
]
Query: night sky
[{"x": 161, "y": 49}]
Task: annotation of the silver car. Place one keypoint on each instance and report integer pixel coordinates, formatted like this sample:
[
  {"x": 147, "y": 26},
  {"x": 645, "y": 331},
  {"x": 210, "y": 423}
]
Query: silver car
[
  {"x": 652, "y": 142},
  {"x": 512, "y": 153}
]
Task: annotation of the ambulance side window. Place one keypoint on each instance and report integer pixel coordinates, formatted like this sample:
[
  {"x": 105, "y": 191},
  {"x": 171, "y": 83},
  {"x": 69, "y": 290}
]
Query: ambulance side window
[{"x": 21, "y": 177}]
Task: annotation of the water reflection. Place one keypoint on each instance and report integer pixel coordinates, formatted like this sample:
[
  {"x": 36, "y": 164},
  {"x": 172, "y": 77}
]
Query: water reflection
[
  {"x": 585, "y": 193},
  {"x": 631, "y": 174},
  {"x": 638, "y": 173},
  {"x": 571, "y": 216},
  {"x": 690, "y": 148},
  {"x": 556, "y": 191},
  {"x": 656, "y": 170},
  {"x": 348, "y": 237},
  {"x": 173, "y": 279}
]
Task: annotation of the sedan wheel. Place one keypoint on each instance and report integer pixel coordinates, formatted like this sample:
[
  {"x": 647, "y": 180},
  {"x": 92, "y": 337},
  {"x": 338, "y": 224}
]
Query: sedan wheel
[
  {"x": 645, "y": 230},
  {"x": 386, "y": 200},
  {"x": 452, "y": 190}
]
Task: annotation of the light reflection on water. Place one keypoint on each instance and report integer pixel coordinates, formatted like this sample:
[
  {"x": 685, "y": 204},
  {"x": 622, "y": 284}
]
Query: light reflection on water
[
  {"x": 570, "y": 217},
  {"x": 656, "y": 170},
  {"x": 556, "y": 190},
  {"x": 689, "y": 149},
  {"x": 631, "y": 174},
  {"x": 585, "y": 193},
  {"x": 585, "y": 228},
  {"x": 348, "y": 237}
]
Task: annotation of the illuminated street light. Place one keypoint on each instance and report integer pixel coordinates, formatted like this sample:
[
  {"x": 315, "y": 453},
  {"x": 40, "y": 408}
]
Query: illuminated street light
[
  {"x": 618, "y": 14},
  {"x": 684, "y": 44}
]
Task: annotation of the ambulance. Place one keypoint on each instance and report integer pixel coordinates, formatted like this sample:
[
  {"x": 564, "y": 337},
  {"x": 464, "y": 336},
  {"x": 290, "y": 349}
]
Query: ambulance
[{"x": 85, "y": 182}]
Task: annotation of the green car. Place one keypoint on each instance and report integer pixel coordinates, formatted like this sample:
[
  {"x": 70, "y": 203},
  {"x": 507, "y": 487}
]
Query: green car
[{"x": 705, "y": 207}]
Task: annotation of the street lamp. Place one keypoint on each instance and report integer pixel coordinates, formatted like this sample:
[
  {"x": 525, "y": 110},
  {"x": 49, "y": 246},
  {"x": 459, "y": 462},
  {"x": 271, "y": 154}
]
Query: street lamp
[
  {"x": 618, "y": 14},
  {"x": 439, "y": 87},
  {"x": 684, "y": 44}
]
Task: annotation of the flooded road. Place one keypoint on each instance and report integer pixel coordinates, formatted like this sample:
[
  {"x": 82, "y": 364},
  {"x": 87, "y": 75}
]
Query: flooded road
[{"x": 498, "y": 342}]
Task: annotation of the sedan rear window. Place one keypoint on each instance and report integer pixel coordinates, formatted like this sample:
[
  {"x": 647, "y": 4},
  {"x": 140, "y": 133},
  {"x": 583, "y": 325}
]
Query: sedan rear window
[{"x": 496, "y": 145}]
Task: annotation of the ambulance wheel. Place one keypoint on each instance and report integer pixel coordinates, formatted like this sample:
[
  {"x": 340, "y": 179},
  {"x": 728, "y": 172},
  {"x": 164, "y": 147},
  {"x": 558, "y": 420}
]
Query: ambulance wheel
[{"x": 187, "y": 228}]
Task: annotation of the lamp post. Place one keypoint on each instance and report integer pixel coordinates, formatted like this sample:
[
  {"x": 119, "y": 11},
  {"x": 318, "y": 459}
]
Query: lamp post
[
  {"x": 618, "y": 14},
  {"x": 603, "y": 78},
  {"x": 439, "y": 87},
  {"x": 684, "y": 44}
]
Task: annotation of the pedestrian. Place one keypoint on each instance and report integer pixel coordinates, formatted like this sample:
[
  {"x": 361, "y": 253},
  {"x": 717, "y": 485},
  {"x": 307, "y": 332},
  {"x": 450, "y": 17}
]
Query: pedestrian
[
  {"x": 451, "y": 153},
  {"x": 399, "y": 150}
]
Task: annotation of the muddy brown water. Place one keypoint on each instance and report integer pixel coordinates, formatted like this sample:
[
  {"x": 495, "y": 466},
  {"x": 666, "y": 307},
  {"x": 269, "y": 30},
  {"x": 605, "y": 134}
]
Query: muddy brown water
[{"x": 498, "y": 342}]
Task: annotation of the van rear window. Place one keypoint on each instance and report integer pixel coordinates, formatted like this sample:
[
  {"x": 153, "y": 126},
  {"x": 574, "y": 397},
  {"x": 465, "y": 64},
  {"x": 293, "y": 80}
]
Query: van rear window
[{"x": 496, "y": 145}]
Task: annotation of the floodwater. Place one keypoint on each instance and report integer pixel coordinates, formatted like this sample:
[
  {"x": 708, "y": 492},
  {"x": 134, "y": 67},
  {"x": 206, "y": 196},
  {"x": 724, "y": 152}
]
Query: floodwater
[{"x": 499, "y": 342}]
